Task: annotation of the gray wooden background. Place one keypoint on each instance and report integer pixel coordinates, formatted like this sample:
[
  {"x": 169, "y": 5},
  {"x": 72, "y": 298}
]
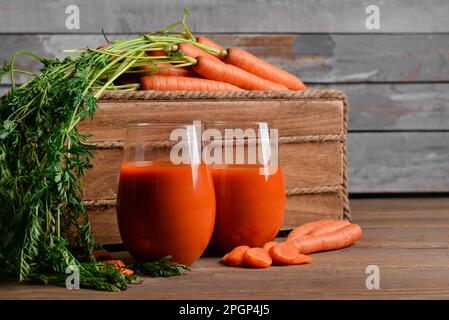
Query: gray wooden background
[{"x": 397, "y": 77}]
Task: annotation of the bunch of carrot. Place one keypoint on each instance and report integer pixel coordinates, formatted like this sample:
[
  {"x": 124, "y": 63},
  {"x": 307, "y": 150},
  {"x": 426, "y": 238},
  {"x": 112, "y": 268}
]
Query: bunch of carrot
[
  {"x": 212, "y": 68},
  {"x": 321, "y": 235}
]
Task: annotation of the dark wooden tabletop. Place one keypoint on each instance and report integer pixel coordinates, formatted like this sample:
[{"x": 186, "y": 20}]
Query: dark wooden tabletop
[{"x": 407, "y": 238}]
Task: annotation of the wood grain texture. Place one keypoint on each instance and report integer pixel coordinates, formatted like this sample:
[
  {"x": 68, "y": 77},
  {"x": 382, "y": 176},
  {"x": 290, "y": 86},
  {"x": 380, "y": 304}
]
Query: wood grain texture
[
  {"x": 392, "y": 107},
  {"x": 398, "y": 162},
  {"x": 290, "y": 117},
  {"x": 406, "y": 237},
  {"x": 316, "y": 58},
  {"x": 49, "y": 16}
]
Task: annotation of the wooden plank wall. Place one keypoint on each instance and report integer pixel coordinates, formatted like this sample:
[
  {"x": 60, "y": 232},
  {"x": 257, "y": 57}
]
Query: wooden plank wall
[{"x": 397, "y": 78}]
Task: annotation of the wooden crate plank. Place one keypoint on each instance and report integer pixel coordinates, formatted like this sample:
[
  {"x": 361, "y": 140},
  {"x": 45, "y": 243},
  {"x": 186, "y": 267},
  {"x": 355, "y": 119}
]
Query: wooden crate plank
[
  {"x": 319, "y": 117},
  {"x": 309, "y": 207},
  {"x": 316, "y": 58},
  {"x": 305, "y": 165},
  {"x": 28, "y": 16},
  {"x": 104, "y": 225},
  {"x": 399, "y": 162}
]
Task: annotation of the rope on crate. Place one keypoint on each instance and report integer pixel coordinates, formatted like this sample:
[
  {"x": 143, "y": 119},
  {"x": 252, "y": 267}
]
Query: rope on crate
[
  {"x": 282, "y": 140},
  {"x": 200, "y": 95}
]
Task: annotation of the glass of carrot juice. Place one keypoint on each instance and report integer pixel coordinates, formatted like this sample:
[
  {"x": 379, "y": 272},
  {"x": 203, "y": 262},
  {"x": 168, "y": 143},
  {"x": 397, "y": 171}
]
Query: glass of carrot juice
[
  {"x": 248, "y": 181},
  {"x": 166, "y": 200}
]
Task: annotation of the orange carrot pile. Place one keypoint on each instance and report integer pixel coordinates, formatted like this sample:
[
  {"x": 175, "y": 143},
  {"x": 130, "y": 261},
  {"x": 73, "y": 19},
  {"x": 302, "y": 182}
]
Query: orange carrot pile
[
  {"x": 207, "y": 59},
  {"x": 214, "y": 69},
  {"x": 246, "y": 61},
  {"x": 321, "y": 235}
]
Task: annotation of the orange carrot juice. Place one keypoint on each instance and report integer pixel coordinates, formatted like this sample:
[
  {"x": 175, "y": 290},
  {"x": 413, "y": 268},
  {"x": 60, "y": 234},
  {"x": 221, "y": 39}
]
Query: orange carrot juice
[
  {"x": 250, "y": 206},
  {"x": 165, "y": 209}
]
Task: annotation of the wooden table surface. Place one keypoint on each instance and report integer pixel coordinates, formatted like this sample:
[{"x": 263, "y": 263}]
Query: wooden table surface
[{"x": 407, "y": 238}]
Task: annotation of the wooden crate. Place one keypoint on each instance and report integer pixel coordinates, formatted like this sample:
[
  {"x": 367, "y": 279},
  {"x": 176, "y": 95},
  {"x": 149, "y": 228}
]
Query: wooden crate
[{"x": 312, "y": 129}]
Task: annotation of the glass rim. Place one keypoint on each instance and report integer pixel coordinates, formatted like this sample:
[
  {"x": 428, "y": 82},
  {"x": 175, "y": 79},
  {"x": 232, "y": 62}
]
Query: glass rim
[
  {"x": 227, "y": 122},
  {"x": 159, "y": 124}
]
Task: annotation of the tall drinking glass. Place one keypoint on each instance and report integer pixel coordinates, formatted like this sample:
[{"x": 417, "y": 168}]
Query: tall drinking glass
[
  {"x": 248, "y": 181},
  {"x": 166, "y": 200}
]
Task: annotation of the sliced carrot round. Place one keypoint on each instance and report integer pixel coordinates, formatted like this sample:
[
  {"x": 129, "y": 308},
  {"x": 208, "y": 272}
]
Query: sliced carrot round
[
  {"x": 284, "y": 253},
  {"x": 235, "y": 258},
  {"x": 267, "y": 246},
  {"x": 257, "y": 258},
  {"x": 301, "y": 259}
]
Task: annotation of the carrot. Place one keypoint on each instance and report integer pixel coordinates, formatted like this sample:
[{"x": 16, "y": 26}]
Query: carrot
[
  {"x": 235, "y": 258},
  {"x": 214, "y": 69},
  {"x": 284, "y": 253},
  {"x": 166, "y": 70},
  {"x": 156, "y": 53},
  {"x": 257, "y": 258},
  {"x": 190, "y": 50},
  {"x": 329, "y": 241},
  {"x": 267, "y": 246},
  {"x": 306, "y": 228},
  {"x": 210, "y": 43},
  {"x": 301, "y": 259},
  {"x": 117, "y": 263},
  {"x": 175, "y": 83},
  {"x": 127, "y": 272},
  {"x": 329, "y": 227},
  {"x": 249, "y": 62}
]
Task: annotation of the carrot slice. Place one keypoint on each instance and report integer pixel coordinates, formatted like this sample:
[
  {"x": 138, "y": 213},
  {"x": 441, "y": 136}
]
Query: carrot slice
[
  {"x": 257, "y": 258},
  {"x": 267, "y": 246},
  {"x": 235, "y": 258},
  {"x": 301, "y": 259},
  {"x": 284, "y": 253}
]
